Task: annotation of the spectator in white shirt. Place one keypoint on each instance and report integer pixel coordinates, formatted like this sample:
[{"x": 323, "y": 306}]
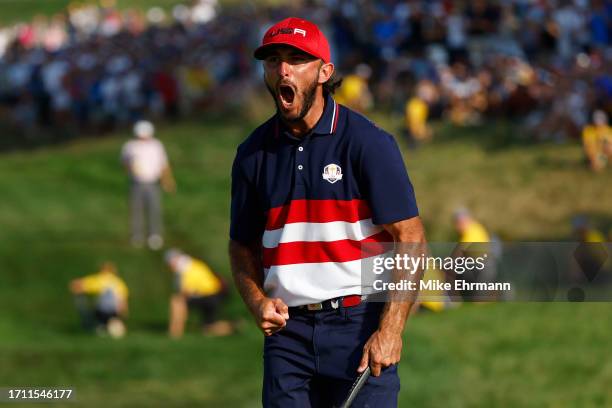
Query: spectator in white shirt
[{"x": 147, "y": 164}]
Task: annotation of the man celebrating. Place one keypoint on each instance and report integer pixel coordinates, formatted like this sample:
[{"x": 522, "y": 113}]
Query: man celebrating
[{"x": 309, "y": 187}]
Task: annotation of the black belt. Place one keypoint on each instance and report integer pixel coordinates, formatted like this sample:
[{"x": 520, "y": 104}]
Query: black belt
[{"x": 333, "y": 304}]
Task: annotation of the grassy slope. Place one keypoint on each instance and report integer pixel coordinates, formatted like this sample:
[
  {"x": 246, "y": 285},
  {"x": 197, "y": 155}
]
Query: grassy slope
[{"x": 64, "y": 210}]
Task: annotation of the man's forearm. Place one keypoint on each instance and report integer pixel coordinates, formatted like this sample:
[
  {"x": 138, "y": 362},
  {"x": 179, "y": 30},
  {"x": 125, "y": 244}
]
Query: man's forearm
[
  {"x": 409, "y": 237},
  {"x": 394, "y": 316},
  {"x": 247, "y": 272},
  {"x": 398, "y": 306}
]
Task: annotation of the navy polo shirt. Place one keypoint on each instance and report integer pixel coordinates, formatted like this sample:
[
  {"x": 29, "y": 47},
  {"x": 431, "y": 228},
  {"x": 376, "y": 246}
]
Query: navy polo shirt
[{"x": 314, "y": 200}]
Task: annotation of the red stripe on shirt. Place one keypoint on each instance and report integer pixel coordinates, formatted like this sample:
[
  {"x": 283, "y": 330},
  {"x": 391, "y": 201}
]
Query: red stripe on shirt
[
  {"x": 318, "y": 211},
  {"x": 345, "y": 250}
]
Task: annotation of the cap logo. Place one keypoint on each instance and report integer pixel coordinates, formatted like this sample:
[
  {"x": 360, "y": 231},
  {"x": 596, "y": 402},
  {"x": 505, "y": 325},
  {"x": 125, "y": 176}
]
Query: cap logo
[
  {"x": 332, "y": 173},
  {"x": 278, "y": 31}
]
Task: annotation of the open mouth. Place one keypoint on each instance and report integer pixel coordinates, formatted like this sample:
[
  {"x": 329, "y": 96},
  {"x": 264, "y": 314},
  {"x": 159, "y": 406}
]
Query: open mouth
[{"x": 286, "y": 94}]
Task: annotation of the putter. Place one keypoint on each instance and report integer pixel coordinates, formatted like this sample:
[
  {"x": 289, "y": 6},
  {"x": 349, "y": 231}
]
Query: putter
[{"x": 356, "y": 387}]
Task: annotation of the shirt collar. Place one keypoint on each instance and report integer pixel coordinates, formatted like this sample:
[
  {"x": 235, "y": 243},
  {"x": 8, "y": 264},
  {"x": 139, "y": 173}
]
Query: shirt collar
[
  {"x": 325, "y": 126},
  {"x": 329, "y": 119}
]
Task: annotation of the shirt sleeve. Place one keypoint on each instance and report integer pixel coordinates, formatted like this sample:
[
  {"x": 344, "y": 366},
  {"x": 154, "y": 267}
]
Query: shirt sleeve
[
  {"x": 91, "y": 284},
  {"x": 247, "y": 216},
  {"x": 385, "y": 182},
  {"x": 123, "y": 290}
]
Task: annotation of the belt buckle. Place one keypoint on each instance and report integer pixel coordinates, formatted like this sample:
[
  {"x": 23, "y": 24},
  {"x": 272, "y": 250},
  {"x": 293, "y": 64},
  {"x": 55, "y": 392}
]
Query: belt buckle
[{"x": 314, "y": 306}]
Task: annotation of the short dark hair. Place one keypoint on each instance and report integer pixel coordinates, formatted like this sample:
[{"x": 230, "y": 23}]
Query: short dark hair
[{"x": 333, "y": 83}]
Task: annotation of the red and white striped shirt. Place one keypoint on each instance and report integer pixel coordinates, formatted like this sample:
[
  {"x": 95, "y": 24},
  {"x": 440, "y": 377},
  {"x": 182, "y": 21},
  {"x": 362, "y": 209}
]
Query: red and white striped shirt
[{"x": 315, "y": 201}]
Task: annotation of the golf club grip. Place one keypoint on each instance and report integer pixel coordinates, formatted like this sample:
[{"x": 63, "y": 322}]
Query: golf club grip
[{"x": 357, "y": 386}]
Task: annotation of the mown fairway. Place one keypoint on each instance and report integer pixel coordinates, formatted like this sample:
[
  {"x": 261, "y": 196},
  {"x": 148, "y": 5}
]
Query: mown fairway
[{"x": 64, "y": 209}]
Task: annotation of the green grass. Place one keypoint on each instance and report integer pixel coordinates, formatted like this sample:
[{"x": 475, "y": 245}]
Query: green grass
[
  {"x": 23, "y": 10},
  {"x": 64, "y": 210}
]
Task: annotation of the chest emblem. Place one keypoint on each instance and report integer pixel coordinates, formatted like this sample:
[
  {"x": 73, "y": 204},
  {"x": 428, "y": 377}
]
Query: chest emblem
[{"x": 332, "y": 173}]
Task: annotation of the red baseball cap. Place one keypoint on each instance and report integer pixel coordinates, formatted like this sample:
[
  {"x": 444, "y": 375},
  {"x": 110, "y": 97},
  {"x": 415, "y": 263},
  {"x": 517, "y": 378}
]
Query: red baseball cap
[{"x": 298, "y": 33}]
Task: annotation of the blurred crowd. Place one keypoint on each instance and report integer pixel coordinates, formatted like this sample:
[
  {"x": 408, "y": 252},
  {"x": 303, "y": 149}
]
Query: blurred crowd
[
  {"x": 96, "y": 67},
  {"x": 545, "y": 62}
]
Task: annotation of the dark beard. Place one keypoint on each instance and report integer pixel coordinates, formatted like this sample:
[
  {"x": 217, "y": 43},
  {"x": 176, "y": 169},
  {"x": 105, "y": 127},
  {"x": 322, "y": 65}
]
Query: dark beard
[{"x": 308, "y": 97}]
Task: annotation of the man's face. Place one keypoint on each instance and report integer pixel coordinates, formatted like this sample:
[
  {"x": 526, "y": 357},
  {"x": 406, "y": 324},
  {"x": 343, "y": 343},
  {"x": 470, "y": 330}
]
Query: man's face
[
  {"x": 461, "y": 223},
  {"x": 292, "y": 77}
]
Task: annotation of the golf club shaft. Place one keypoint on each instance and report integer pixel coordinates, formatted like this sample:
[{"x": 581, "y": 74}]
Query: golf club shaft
[{"x": 357, "y": 386}]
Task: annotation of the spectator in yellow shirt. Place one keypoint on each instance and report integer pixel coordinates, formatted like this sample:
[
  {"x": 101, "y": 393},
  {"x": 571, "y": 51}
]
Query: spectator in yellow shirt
[
  {"x": 583, "y": 231},
  {"x": 433, "y": 300},
  {"x": 474, "y": 241},
  {"x": 196, "y": 287},
  {"x": 588, "y": 254},
  {"x": 416, "y": 113},
  {"x": 597, "y": 141},
  {"x": 355, "y": 92},
  {"x": 468, "y": 228},
  {"x": 109, "y": 294}
]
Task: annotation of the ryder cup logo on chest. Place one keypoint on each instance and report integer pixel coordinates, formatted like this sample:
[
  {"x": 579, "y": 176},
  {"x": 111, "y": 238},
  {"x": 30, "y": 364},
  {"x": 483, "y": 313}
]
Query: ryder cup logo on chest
[{"x": 332, "y": 173}]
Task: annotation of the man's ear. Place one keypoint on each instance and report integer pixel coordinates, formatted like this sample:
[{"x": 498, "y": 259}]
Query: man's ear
[{"x": 325, "y": 72}]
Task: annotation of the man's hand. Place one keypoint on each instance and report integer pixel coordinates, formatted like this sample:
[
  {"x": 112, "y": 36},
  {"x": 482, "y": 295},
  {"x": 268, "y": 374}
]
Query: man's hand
[
  {"x": 76, "y": 286},
  {"x": 271, "y": 315},
  {"x": 167, "y": 180},
  {"x": 383, "y": 349},
  {"x": 168, "y": 185}
]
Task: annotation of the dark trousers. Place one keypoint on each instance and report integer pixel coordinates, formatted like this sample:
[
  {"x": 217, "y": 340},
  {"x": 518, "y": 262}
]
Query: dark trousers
[
  {"x": 312, "y": 362},
  {"x": 91, "y": 315},
  {"x": 207, "y": 306}
]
